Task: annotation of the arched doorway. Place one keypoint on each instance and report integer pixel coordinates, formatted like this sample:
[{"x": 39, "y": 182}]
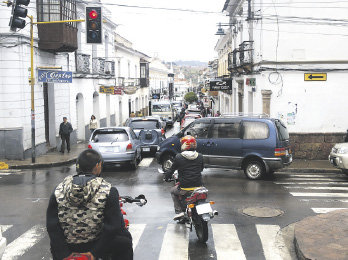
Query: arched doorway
[
  {"x": 80, "y": 111},
  {"x": 96, "y": 112}
]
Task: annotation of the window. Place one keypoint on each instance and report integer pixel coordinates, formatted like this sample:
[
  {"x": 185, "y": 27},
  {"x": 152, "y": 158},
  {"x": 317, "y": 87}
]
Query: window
[
  {"x": 198, "y": 130},
  {"x": 255, "y": 130},
  {"x": 161, "y": 107},
  {"x": 282, "y": 130},
  {"x": 132, "y": 134},
  {"x": 105, "y": 136},
  {"x": 56, "y": 10},
  {"x": 145, "y": 124},
  {"x": 226, "y": 130}
]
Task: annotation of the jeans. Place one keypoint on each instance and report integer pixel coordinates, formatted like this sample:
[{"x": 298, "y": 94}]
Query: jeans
[
  {"x": 176, "y": 193},
  {"x": 65, "y": 138},
  {"x": 119, "y": 248}
]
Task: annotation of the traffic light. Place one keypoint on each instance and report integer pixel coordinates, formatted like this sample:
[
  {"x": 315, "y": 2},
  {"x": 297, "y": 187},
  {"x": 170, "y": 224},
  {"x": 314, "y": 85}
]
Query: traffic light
[
  {"x": 17, "y": 12},
  {"x": 94, "y": 24}
]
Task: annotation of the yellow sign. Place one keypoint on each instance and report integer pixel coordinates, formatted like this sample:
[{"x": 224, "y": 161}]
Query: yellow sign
[
  {"x": 315, "y": 76},
  {"x": 106, "y": 90}
]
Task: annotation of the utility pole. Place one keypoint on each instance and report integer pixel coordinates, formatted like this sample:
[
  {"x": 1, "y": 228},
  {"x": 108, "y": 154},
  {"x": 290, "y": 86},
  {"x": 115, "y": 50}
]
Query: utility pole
[{"x": 251, "y": 32}]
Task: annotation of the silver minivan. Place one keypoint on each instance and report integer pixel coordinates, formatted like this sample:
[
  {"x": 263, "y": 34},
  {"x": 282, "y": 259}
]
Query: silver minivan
[{"x": 117, "y": 145}]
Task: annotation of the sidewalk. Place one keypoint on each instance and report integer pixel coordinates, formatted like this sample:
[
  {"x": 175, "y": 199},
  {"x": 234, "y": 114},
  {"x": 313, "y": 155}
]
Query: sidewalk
[{"x": 50, "y": 159}]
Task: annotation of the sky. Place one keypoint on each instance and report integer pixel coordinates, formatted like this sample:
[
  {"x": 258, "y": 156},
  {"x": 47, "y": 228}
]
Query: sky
[{"x": 170, "y": 35}]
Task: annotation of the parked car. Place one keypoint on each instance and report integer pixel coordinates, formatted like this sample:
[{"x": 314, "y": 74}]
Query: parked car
[
  {"x": 255, "y": 144},
  {"x": 149, "y": 130},
  {"x": 117, "y": 145},
  {"x": 2, "y": 244},
  {"x": 161, "y": 120},
  {"x": 339, "y": 157},
  {"x": 188, "y": 119}
]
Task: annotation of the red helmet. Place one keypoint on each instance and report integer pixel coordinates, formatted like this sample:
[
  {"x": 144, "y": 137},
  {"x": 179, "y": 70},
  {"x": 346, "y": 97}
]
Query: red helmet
[{"x": 188, "y": 143}]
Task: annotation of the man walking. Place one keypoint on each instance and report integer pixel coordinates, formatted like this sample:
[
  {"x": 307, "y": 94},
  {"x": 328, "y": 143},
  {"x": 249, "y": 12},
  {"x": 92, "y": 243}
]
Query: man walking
[{"x": 65, "y": 130}]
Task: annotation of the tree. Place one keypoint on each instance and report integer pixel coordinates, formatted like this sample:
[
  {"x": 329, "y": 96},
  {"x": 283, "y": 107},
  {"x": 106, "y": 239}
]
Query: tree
[{"x": 190, "y": 97}]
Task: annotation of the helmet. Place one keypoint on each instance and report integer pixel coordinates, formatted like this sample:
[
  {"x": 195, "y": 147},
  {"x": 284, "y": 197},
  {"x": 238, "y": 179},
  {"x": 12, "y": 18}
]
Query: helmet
[{"x": 188, "y": 143}]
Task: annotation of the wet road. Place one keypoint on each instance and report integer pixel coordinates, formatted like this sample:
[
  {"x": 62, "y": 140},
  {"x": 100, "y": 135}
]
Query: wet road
[{"x": 232, "y": 235}]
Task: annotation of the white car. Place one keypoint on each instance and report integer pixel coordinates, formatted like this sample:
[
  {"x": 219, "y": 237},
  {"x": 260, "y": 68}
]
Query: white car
[
  {"x": 339, "y": 157},
  {"x": 2, "y": 244}
]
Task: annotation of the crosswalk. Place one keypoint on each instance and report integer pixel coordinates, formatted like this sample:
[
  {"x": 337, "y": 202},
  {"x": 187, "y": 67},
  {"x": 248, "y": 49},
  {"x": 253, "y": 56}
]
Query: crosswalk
[
  {"x": 175, "y": 243},
  {"x": 328, "y": 190}
]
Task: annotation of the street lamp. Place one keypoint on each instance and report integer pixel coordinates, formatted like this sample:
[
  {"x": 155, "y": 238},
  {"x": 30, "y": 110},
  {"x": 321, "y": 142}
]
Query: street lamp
[{"x": 220, "y": 30}]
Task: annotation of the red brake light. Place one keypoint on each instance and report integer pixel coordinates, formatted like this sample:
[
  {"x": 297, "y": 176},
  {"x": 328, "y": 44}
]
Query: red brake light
[
  {"x": 89, "y": 146},
  {"x": 129, "y": 147},
  {"x": 162, "y": 131},
  {"x": 279, "y": 152},
  {"x": 93, "y": 14}
]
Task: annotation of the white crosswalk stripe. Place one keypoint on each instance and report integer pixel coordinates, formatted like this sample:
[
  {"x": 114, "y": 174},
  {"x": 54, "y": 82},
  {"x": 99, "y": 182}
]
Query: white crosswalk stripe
[
  {"x": 325, "y": 189},
  {"x": 175, "y": 243},
  {"x": 146, "y": 162},
  {"x": 227, "y": 244},
  {"x": 20, "y": 245}
]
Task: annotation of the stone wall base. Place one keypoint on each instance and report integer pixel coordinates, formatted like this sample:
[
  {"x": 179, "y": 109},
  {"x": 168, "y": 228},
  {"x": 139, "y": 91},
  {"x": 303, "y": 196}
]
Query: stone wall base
[{"x": 314, "y": 146}]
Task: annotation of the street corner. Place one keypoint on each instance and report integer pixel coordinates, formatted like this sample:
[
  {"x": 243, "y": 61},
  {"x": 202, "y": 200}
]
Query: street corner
[{"x": 322, "y": 237}]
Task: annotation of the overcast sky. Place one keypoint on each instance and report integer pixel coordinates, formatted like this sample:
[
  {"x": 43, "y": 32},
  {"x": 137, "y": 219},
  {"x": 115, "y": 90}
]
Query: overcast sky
[{"x": 173, "y": 35}]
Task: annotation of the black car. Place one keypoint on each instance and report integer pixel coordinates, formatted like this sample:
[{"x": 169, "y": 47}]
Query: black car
[
  {"x": 149, "y": 131},
  {"x": 255, "y": 144}
]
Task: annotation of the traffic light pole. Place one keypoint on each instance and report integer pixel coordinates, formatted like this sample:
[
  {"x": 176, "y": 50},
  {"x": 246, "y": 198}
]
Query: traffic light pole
[{"x": 32, "y": 79}]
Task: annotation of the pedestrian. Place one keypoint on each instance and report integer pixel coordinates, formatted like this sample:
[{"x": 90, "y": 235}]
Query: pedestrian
[
  {"x": 217, "y": 113},
  {"x": 132, "y": 114},
  {"x": 93, "y": 124},
  {"x": 65, "y": 130}
]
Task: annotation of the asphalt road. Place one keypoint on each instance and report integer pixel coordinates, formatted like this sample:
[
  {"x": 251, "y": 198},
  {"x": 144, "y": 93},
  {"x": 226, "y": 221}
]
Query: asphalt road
[{"x": 232, "y": 235}]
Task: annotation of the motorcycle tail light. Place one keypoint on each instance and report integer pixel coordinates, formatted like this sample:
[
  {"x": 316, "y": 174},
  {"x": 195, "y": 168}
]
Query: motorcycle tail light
[
  {"x": 212, "y": 202},
  {"x": 190, "y": 206}
]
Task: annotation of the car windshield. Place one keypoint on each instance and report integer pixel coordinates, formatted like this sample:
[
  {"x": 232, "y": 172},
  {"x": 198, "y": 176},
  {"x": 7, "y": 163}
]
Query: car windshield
[
  {"x": 282, "y": 130},
  {"x": 105, "y": 136},
  {"x": 144, "y": 124},
  {"x": 161, "y": 107}
]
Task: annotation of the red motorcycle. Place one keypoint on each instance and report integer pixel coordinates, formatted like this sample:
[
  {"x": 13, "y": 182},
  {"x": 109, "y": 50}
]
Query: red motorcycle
[{"x": 140, "y": 201}]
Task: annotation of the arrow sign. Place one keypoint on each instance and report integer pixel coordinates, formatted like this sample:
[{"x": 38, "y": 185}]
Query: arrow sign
[{"x": 315, "y": 76}]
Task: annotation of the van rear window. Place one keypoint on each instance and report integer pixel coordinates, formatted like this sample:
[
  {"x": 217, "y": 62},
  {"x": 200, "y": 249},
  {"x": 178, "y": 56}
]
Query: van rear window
[{"x": 282, "y": 130}]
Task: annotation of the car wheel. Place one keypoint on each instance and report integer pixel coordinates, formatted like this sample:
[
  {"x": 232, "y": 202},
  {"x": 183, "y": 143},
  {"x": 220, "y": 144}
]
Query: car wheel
[
  {"x": 134, "y": 164},
  {"x": 167, "y": 162},
  {"x": 254, "y": 170}
]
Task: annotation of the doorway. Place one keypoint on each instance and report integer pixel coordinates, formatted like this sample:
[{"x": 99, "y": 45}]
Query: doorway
[{"x": 80, "y": 117}]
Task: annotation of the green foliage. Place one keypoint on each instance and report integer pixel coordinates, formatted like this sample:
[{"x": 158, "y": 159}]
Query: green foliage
[{"x": 190, "y": 97}]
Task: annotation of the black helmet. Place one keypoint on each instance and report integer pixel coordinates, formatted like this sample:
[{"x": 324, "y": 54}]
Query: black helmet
[{"x": 87, "y": 160}]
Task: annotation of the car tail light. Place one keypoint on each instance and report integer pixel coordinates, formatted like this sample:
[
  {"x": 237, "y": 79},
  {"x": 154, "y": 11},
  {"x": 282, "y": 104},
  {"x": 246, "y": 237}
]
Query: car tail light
[
  {"x": 129, "y": 147},
  {"x": 279, "y": 152},
  {"x": 162, "y": 131},
  {"x": 89, "y": 146}
]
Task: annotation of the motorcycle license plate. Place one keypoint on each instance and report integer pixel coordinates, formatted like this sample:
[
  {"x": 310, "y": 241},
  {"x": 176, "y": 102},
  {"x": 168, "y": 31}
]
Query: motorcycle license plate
[{"x": 203, "y": 208}]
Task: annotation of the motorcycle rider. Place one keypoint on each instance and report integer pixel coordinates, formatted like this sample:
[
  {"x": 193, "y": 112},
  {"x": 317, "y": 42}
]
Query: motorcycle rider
[
  {"x": 189, "y": 164},
  {"x": 84, "y": 216}
]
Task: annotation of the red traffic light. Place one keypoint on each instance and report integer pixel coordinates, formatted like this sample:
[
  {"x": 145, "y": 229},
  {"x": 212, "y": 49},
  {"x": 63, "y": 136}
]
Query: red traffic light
[{"x": 93, "y": 14}]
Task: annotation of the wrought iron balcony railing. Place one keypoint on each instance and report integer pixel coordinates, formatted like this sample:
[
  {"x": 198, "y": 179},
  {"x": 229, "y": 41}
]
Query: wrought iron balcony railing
[
  {"x": 246, "y": 49},
  {"x": 82, "y": 62}
]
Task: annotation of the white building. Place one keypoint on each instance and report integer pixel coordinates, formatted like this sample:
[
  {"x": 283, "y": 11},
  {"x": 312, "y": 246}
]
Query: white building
[
  {"x": 64, "y": 47},
  {"x": 159, "y": 81},
  {"x": 275, "y": 46}
]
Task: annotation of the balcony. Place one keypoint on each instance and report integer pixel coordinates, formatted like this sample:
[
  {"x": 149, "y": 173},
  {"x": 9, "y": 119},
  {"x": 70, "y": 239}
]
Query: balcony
[
  {"x": 132, "y": 82},
  {"x": 245, "y": 57},
  {"x": 120, "y": 81},
  {"x": 234, "y": 64},
  {"x": 82, "y": 62},
  {"x": 101, "y": 66}
]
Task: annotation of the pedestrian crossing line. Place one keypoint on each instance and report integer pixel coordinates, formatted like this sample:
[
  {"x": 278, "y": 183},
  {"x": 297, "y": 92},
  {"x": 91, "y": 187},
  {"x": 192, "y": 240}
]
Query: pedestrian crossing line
[
  {"x": 175, "y": 243},
  {"x": 316, "y": 188},
  {"x": 315, "y": 176},
  {"x": 3, "y": 228},
  {"x": 324, "y": 200},
  {"x": 325, "y": 210},
  {"x": 136, "y": 230},
  {"x": 313, "y": 179},
  {"x": 146, "y": 162},
  {"x": 227, "y": 243},
  {"x": 268, "y": 234},
  {"x": 343, "y": 183},
  {"x": 23, "y": 243},
  {"x": 314, "y": 194}
]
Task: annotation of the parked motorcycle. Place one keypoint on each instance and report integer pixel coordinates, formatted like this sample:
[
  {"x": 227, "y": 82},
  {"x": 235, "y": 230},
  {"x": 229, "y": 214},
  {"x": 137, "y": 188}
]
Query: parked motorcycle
[
  {"x": 198, "y": 211},
  {"x": 139, "y": 200}
]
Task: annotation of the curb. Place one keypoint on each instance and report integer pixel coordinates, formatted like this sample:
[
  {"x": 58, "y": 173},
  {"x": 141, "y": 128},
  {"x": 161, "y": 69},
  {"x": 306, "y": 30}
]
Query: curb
[{"x": 42, "y": 165}]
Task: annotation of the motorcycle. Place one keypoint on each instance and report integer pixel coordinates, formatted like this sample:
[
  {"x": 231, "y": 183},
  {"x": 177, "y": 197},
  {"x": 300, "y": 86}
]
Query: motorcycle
[
  {"x": 197, "y": 211},
  {"x": 139, "y": 200}
]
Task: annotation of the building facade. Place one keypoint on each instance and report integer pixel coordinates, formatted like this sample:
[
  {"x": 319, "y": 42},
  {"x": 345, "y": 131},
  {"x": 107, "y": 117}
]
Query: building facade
[{"x": 274, "y": 53}]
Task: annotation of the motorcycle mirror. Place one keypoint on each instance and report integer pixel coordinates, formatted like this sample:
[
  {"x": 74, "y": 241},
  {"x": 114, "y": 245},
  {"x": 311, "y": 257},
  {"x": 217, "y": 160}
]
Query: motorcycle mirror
[{"x": 141, "y": 196}]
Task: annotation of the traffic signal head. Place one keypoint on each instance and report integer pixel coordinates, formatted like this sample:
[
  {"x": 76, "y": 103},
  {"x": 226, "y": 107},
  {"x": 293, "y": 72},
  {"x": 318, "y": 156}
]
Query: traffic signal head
[
  {"x": 94, "y": 24},
  {"x": 17, "y": 12}
]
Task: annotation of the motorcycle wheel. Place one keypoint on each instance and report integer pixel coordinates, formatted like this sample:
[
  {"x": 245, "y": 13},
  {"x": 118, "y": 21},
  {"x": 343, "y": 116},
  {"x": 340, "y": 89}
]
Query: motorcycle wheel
[{"x": 201, "y": 228}]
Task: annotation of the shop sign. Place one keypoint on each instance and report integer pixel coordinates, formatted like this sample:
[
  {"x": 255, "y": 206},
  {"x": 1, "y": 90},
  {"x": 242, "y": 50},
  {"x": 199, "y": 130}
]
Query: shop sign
[
  {"x": 219, "y": 85},
  {"x": 54, "y": 76},
  {"x": 107, "y": 89}
]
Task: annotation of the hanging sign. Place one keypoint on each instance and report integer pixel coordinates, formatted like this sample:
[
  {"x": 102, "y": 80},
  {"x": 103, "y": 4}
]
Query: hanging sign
[
  {"x": 107, "y": 89},
  {"x": 54, "y": 76},
  {"x": 118, "y": 90},
  {"x": 223, "y": 84}
]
